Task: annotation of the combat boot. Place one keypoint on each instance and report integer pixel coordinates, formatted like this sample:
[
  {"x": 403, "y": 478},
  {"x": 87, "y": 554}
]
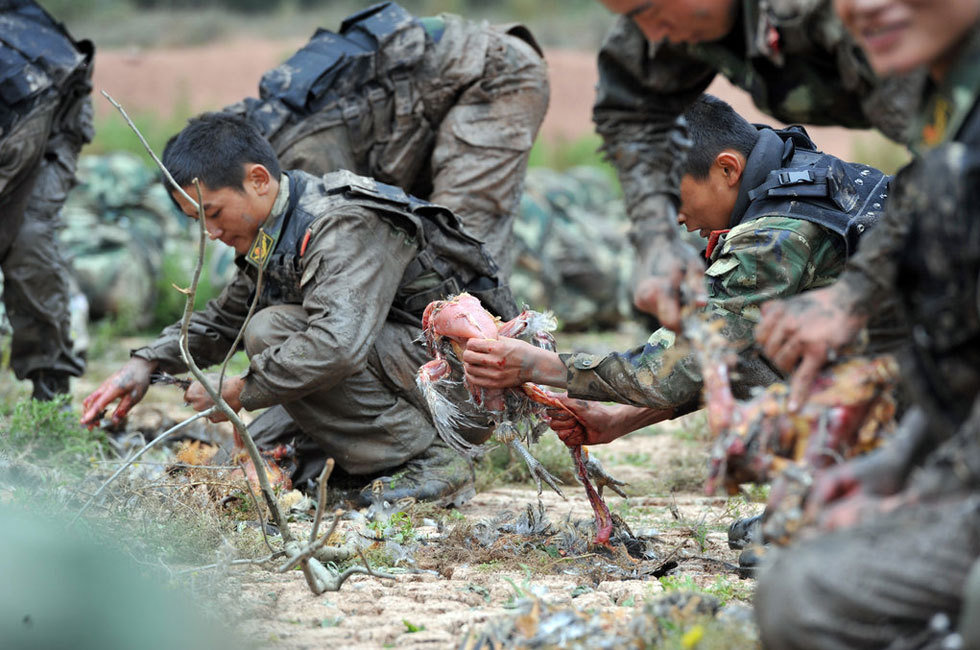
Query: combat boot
[
  {"x": 438, "y": 475},
  {"x": 744, "y": 532},
  {"x": 49, "y": 384}
]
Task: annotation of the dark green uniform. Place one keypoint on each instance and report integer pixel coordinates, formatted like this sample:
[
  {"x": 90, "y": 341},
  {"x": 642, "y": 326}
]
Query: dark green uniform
[{"x": 790, "y": 247}]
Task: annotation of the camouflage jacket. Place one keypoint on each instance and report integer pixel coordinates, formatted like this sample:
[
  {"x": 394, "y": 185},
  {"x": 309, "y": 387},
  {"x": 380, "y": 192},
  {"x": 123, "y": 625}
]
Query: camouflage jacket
[
  {"x": 347, "y": 292},
  {"x": 770, "y": 257},
  {"x": 792, "y": 56}
]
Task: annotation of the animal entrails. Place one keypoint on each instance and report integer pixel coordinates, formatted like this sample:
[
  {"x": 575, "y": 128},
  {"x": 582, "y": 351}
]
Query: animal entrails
[{"x": 517, "y": 413}]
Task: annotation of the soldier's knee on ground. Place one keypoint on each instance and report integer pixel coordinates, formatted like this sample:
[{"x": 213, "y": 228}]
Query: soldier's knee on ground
[{"x": 273, "y": 325}]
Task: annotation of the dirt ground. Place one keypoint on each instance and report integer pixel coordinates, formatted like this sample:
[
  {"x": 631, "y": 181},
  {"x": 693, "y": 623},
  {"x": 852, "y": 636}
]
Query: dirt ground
[{"x": 374, "y": 613}]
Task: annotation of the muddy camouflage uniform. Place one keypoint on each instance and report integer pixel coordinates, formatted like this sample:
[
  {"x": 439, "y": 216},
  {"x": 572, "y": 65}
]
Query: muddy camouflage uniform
[
  {"x": 445, "y": 108},
  {"x": 119, "y": 225},
  {"x": 45, "y": 118},
  {"x": 335, "y": 343},
  {"x": 774, "y": 248},
  {"x": 792, "y": 56},
  {"x": 585, "y": 286},
  {"x": 879, "y": 583}
]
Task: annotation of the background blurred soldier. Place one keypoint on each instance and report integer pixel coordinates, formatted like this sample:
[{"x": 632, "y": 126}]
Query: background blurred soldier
[
  {"x": 445, "y": 108},
  {"x": 120, "y": 224},
  {"x": 572, "y": 255},
  {"x": 45, "y": 118}
]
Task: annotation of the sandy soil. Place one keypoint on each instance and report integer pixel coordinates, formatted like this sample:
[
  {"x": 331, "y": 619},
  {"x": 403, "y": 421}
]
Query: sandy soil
[{"x": 372, "y": 613}]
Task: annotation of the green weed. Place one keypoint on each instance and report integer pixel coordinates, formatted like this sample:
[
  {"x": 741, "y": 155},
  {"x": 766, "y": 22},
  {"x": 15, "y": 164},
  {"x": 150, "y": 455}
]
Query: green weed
[{"x": 48, "y": 432}]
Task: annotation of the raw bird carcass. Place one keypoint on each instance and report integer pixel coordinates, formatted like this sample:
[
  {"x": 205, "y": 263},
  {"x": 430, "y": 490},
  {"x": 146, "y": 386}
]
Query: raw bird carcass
[
  {"x": 517, "y": 413},
  {"x": 849, "y": 411}
]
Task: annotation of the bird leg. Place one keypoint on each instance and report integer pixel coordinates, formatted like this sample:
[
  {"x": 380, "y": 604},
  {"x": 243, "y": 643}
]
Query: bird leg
[
  {"x": 601, "y": 477},
  {"x": 603, "y": 518},
  {"x": 538, "y": 471}
]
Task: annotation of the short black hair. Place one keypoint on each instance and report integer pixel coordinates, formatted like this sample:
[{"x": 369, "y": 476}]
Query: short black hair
[
  {"x": 714, "y": 126},
  {"x": 214, "y": 148}
]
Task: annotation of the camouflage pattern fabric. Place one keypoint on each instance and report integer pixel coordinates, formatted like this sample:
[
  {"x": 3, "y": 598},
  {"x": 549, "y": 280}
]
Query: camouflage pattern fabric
[
  {"x": 871, "y": 273},
  {"x": 759, "y": 260},
  {"x": 792, "y": 56},
  {"x": 120, "y": 226},
  {"x": 571, "y": 252}
]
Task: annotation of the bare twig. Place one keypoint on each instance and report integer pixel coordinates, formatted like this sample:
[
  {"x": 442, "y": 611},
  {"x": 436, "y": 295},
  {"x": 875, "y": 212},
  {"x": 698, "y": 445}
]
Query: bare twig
[
  {"x": 305, "y": 553},
  {"x": 253, "y": 451},
  {"x": 139, "y": 453},
  {"x": 146, "y": 146},
  {"x": 260, "y": 560},
  {"x": 321, "y": 500}
]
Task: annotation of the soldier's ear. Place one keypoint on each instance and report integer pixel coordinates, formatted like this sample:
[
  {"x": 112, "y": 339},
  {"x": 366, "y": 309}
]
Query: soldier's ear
[
  {"x": 732, "y": 164},
  {"x": 258, "y": 178}
]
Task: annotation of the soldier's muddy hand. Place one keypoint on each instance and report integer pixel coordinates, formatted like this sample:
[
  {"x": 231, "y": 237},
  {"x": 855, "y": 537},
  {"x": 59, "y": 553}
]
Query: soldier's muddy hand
[
  {"x": 841, "y": 493},
  {"x": 198, "y": 398},
  {"x": 803, "y": 333},
  {"x": 669, "y": 274},
  {"x": 128, "y": 385},
  {"x": 507, "y": 362}
]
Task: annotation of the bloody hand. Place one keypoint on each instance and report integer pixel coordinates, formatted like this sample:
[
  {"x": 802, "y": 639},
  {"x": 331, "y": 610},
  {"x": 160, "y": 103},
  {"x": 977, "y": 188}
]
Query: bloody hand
[
  {"x": 128, "y": 385},
  {"x": 807, "y": 330}
]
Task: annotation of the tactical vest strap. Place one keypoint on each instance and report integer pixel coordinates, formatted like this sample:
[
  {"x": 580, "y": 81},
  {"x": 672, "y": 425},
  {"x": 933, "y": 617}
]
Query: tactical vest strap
[{"x": 845, "y": 198}]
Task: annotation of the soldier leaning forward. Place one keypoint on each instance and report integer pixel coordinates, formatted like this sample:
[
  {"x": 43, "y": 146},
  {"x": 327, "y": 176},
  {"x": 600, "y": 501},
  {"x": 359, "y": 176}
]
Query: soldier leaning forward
[
  {"x": 901, "y": 526},
  {"x": 780, "y": 217},
  {"x": 45, "y": 118},
  {"x": 442, "y": 107},
  {"x": 349, "y": 265},
  {"x": 792, "y": 56}
]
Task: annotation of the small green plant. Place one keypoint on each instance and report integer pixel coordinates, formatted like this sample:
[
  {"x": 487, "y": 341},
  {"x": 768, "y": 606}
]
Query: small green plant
[
  {"x": 410, "y": 627},
  {"x": 679, "y": 583},
  {"x": 48, "y": 431},
  {"x": 397, "y": 528}
]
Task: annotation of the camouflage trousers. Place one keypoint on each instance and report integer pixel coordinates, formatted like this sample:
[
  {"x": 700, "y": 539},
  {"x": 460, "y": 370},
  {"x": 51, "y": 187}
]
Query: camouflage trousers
[
  {"x": 480, "y": 151},
  {"x": 37, "y": 167},
  {"x": 371, "y": 421}
]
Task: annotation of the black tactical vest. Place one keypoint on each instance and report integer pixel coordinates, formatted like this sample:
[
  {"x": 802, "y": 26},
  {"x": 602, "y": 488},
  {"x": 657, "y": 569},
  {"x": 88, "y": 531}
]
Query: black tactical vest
[
  {"x": 341, "y": 70},
  {"x": 846, "y": 198},
  {"x": 36, "y": 55},
  {"x": 449, "y": 261}
]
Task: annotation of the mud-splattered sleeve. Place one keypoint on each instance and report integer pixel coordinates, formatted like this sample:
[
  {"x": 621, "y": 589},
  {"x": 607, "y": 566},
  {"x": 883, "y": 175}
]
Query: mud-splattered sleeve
[
  {"x": 754, "y": 266},
  {"x": 642, "y": 90}
]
